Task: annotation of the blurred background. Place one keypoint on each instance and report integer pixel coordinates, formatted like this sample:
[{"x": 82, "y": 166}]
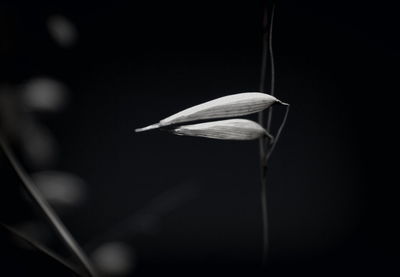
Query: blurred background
[{"x": 76, "y": 79}]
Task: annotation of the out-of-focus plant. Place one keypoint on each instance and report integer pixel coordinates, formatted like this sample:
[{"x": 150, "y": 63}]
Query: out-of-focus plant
[
  {"x": 18, "y": 125},
  {"x": 215, "y": 119},
  {"x": 47, "y": 212},
  {"x": 114, "y": 258}
]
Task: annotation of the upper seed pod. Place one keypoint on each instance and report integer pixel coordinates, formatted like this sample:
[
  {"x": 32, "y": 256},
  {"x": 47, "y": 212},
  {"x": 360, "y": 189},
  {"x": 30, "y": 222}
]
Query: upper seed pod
[
  {"x": 227, "y": 106},
  {"x": 230, "y": 129}
]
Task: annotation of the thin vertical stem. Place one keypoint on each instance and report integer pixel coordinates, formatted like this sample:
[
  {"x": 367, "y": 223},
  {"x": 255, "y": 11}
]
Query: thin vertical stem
[
  {"x": 272, "y": 65},
  {"x": 264, "y": 59},
  {"x": 46, "y": 209},
  {"x": 263, "y": 142}
]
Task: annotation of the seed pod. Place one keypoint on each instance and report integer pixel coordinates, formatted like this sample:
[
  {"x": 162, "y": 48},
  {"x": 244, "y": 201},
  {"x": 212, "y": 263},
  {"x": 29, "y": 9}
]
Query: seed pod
[
  {"x": 229, "y": 129},
  {"x": 227, "y": 106}
]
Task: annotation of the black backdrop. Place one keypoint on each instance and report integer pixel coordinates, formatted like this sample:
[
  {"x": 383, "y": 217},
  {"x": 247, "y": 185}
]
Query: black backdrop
[{"x": 332, "y": 206}]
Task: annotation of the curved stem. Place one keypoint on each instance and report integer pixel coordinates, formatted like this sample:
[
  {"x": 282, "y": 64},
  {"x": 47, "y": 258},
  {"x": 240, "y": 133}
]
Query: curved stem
[
  {"x": 272, "y": 65},
  {"x": 46, "y": 209},
  {"x": 264, "y": 143},
  {"x": 278, "y": 134},
  {"x": 263, "y": 73}
]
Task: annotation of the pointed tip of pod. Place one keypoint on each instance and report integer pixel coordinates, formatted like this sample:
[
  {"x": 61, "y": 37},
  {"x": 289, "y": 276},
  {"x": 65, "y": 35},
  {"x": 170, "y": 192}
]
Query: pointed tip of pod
[
  {"x": 147, "y": 128},
  {"x": 282, "y": 103}
]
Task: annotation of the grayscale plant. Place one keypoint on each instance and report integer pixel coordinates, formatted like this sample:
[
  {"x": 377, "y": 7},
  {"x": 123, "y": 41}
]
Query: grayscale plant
[
  {"x": 224, "y": 107},
  {"x": 185, "y": 122},
  {"x": 52, "y": 191},
  {"x": 228, "y": 129}
]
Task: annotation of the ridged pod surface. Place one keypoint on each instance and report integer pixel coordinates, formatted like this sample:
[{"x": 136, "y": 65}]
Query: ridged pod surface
[
  {"x": 229, "y": 129},
  {"x": 227, "y": 106}
]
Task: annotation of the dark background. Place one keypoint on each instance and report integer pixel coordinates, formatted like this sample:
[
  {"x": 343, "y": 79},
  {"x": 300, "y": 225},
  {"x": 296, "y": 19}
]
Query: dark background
[{"x": 333, "y": 207}]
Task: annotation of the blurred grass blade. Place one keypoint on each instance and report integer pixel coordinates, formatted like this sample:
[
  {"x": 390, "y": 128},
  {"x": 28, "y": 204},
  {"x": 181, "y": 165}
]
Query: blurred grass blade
[
  {"x": 46, "y": 209},
  {"x": 230, "y": 129}
]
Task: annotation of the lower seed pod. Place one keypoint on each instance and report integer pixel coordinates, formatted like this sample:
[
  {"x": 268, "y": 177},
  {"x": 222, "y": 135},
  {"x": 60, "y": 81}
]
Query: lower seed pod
[{"x": 230, "y": 129}]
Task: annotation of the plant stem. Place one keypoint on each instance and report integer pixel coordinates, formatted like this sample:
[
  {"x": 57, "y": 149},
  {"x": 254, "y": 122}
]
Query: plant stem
[
  {"x": 46, "y": 209},
  {"x": 278, "y": 134},
  {"x": 264, "y": 143},
  {"x": 272, "y": 65}
]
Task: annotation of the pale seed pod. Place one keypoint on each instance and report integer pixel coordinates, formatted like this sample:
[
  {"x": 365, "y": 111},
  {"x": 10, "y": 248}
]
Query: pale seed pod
[
  {"x": 229, "y": 129},
  {"x": 227, "y": 106}
]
